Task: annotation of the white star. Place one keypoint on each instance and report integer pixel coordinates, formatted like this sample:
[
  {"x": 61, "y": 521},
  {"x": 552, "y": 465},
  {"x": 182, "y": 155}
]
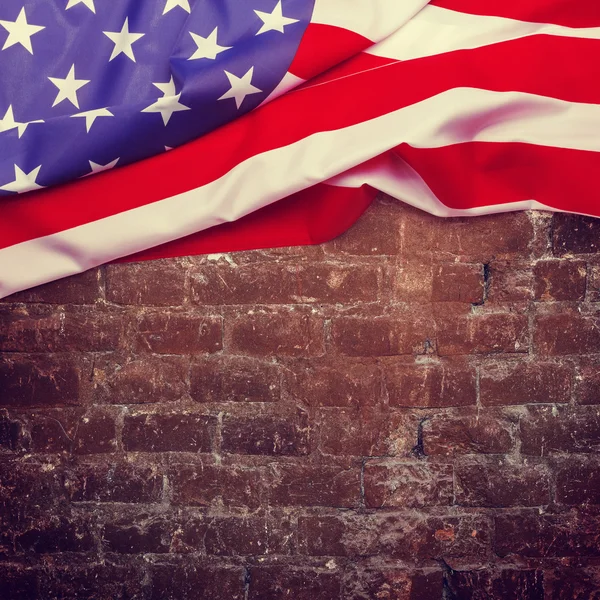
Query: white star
[
  {"x": 96, "y": 168},
  {"x": 20, "y": 32},
  {"x": 88, "y": 3},
  {"x": 67, "y": 87},
  {"x": 167, "y": 148},
  {"x": 92, "y": 115},
  {"x": 273, "y": 21},
  {"x": 207, "y": 47},
  {"x": 24, "y": 182},
  {"x": 9, "y": 122},
  {"x": 171, "y": 4},
  {"x": 123, "y": 41},
  {"x": 240, "y": 87},
  {"x": 169, "y": 103}
]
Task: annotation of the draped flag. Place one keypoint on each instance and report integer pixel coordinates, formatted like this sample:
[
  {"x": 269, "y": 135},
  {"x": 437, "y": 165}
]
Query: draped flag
[{"x": 169, "y": 127}]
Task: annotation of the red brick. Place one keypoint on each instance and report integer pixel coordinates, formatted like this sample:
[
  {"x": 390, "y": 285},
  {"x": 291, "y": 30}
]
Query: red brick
[
  {"x": 525, "y": 383},
  {"x": 567, "y": 332},
  {"x": 588, "y": 382},
  {"x": 178, "y": 333},
  {"x": 95, "y": 433},
  {"x": 284, "y": 283},
  {"x": 169, "y": 433},
  {"x": 57, "y": 534},
  {"x": 277, "y": 582},
  {"x": 575, "y": 234},
  {"x": 305, "y": 484},
  {"x": 507, "y": 584},
  {"x": 382, "y": 336},
  {"x": 266, "y": 435},
  {"x": 389, "y": 484},
  {"x": 77, "y": 289},
  {"x": 531, "y": 534},
  {"x": 471, "y": 433},
  {"x": 158, "y": 282},
  {"x": 42, "y": 380},
  {"x": 126, "y": 380},
  {"x": 483, "y": 333},
  {"x": 497, "y": 482},
  {"x": 510, "y": 281},
  {"x": 568, "y": 583},
  {"x": 235, "y": 379},
  {"x": 387, "y": 582},
  {"x": 10, "y": 433},
  {"x": 211, "y": 485},
  {"x": 19, "y": 582},
  {"x": 280, "y": 333},
  {"x": 55, "y": 431},
  {"x": 113, "y": 482},
  {"x": 144, "y": 533},
  {"x": 560, "y": 280},
  {"x": 577, "y": 481},
  {"x": 430, "y": 385},
  {"x": 549, "y": 429},
  {"x": 366, "y": 432}
]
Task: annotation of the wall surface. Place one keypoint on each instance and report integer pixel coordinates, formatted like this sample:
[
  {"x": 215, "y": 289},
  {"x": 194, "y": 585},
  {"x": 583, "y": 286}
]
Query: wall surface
[{"x": 410, "y": 412}]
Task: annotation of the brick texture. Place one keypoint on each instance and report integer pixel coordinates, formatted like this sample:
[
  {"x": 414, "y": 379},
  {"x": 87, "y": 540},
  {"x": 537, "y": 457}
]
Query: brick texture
[{"x": 409, "y": 412}]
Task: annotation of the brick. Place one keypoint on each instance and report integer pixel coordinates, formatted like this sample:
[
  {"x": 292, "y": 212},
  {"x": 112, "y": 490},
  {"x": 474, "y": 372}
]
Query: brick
[
  {"x": 382, "y": 336},
  {"x": 575, "y": 234},
  {"x": 196, "y": 582},
  {"x": 334, "y": 383},
  {"x": 593, "y": 283},
  {"x": 366, "y": 432},
  {"x": 496, "y": 482},
  {"x": 113, "y": 482},
  {"x": 392, "y": 583},
  {"x": 144, "y": 533},
  {"x": 389, "y": 484},
  {"x": 285, "y": 283},
  {"x": 235, "y": 379},
  {"x": 305, "y": 484},
  {"x": 560, "y": 280},
  {"x": 178, "y": 333},
  {"x": 76, "y": 289},
  {"x": 266, "y": 435},
  {"x": 507, "y": 584},
  {"x": 531, "y": 534},
  {"x": 567, "y": 332},
  {"x": 474, "y": 433},
  {"x": 525, "y": 383},
  {"x": 95, "y": 433},
  {"x": 44, "y": 380},
  {"x": 577, "y": 481},
  {"x": 126, "y": 380},
  {"x": 568, "y": 583},
  {"x": 55, "y": 534},
  {"x": 10, "y": 433},
  {"x": 211, "y": 485},
  {"x": 169, "y": 433},
  {"x": 430, "y": 385},
  {"x": 19, "y": 583},
  {"x": 550, "y": 429},
  {"x": 482, "y": 333},
  {"x": 157, "y": 282},
  {"x": 282, "y": 333},
  {"x": 277, "y": 582},
  {"x": 510, "y": 281},
  {"x": 53, "y": 433},
  {"x": 587, "y": 390}
]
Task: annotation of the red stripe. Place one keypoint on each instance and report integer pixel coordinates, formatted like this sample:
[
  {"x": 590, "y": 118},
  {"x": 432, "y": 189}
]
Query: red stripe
[
  {"x": 545, "y": 65},
  {"x": 570, "y": 13},
  {"x": 485, "y": 174}
]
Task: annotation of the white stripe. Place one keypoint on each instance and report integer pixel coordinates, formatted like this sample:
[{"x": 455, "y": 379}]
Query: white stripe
[
  {"x": 437, "y": 30},
  {"x": 373, "y": 19},
  {"x": 455, "y": 116}
]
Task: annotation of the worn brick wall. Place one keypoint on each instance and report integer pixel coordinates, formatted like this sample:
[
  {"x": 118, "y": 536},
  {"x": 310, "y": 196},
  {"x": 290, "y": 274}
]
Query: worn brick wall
[{"x": 407, "y": 413}]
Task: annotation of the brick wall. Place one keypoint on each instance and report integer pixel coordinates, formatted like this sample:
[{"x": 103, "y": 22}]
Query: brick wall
[{"x": 407, "y": 413}]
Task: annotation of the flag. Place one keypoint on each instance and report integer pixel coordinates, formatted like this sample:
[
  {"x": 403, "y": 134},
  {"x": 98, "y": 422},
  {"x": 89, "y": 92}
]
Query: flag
[{"x": 285, "y": 116}]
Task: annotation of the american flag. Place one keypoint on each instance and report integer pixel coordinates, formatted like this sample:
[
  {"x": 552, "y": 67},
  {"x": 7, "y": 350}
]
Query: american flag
[{"x": 283, "y": 117}]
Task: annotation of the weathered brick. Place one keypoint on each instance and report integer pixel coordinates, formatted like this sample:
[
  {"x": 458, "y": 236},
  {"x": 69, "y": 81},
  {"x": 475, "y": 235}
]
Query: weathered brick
[
  {"x": 235, "y": 379},
  {"x": 575, "y": 234},
  {"x": 389, "y": 484},
  {"x": 55, "y": 431},
  {"x": 144, "y": 533},
  {"x": 507, "y": 584},
  {"x": 593, "y": 284},
  {"x": 35, "y": 485},
  {"x": 392, "y": 583},
  {"x": 430, "y": 385},
  {"x": 10, "y": 433},
  {"x": 560, "y": 280},
  {"x": 276, "y": 582},
  {"x": 568, "y": 583},
  {"x": 55, "y": 534},
  {"x": 43, "y": 380},
  {"x": 127, "y": 380},
  {"x": 158, "y": 282},
  {"x": 510, "y": 281},
  {"x": 169, "y": 433},
  {"x": 525, "y": 383},
  {"x": 19, "y": 583},
  {"x": 470, "y": 433},
  {"x": 497, "y": 482},
  {"x": 178, "y": 333},
  {"x": 266, "y": 435},
  {"x": 483, "y": 333},
  {"x": 284, "y": 283},
  {"x": 281, "y": 333},
  {"x": 567, "y": 332},
  {"x": 577, "y": 481},
  {"x": 95, "y": 433},
  {"x": 587, "y": 390}
]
